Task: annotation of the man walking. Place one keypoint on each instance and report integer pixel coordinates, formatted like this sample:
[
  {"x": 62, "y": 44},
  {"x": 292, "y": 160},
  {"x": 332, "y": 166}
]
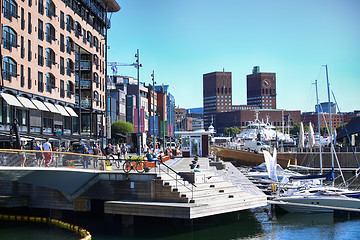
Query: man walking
[{"x": 47, "y": 155}]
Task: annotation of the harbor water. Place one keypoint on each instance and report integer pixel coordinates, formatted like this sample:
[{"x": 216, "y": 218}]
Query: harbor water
[{"x": 258, "y": 223}]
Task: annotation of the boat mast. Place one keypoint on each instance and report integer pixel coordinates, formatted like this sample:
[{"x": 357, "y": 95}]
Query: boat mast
[
  {"x": 331, "y": 129},
  {"x": 318, "y": 113}
]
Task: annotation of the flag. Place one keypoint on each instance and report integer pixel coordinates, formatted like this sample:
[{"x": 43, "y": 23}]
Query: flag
[{"x": 114, "y": 69}]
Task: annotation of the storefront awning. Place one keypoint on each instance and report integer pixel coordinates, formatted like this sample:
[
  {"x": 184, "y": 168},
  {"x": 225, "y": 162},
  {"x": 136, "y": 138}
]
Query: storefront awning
[
  {"x": 27, "y": 103},
  {"x": 52, "y": 107},
  {"x": 71, "y": 112},
  {"x": 62, "y": 110},
  {"x": 40, "y": 105},
  {"x": 11, "y": 100}
]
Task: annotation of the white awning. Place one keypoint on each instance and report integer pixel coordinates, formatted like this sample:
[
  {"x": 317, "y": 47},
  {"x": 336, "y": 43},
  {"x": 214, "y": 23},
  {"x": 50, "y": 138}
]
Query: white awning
[
  {"x": 51, "y": 107},
  {"x": 26, "y": 102},
  {"x": 40, "y": 105},
  {"x": 62, "y": 110},
  {"x": 11, "y": 100},
  {"x": 71, "y": 112}
]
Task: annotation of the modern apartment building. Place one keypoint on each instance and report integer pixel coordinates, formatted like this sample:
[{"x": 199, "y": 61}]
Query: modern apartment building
[
  {"x": 261, "y": 89},
  {"x": 53, "y": 66}
]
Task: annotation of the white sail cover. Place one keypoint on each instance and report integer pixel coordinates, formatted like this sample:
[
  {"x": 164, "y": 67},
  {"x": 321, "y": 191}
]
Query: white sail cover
[
  {"x": 301, "y": 136},
  {"x": 311, "y": 136},
  {"x": 271, "y": 162}
]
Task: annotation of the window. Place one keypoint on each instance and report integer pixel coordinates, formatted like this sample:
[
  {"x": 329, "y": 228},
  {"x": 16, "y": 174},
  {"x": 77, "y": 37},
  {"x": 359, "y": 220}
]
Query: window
[
  {"x": 69, "y": 67},
  {"x": 69, "y": 23},
  {"x": 69, "y": 89},
  {"x": 41, "y": 7},
  {"x": 78, "y": 29},
  {"x": 62, "y": 67},
  {"x": 96, "y": 98},
  {"x": 62, "y": 44},
  {"x": 96, "y": 43},
  {"x": 50, "y": 9},
  {"x": 50, "y": 57},
  {"x": 96, "y": 79},
  {"x": 10, "y": 9},
  {"x": 62, "y": 20},
  {"x": 40, "y": 56},
  {"x": 96, "y": 61},
  {"x": 10, "y": 38},
  {"x": 50, "y": 82},
  {"x": 22, "y": 78},
  {"x": 29, "y": 78},
  {"x": 29, "y": 50},
  {"x": 40, "y": 30},
  {"x": 50, "y": 33},
  {"x": 62, "y": 90},
  {"x": 84, "y": 36},
  {"x": 40, "y": 82},
  {"x": 22, "y": 16},
  {"x": 9, "y": 68},
  {"x": 89, "y": 38},
  {"x": 22, "y": 54},
  {"x": 69, "y": 45},
  {"x": 29, "y": 23}
]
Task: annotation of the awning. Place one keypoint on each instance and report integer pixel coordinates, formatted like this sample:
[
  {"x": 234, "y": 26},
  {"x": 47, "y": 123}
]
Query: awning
[
  {"x": 11, "y": 100},
  {"x": 51, "y": 107},
  {"x": 62, "y": 110},
  {"x": 26, "y": 102},
  {"x": 71, "y": 112},
  {"x": 40, "y": 105}
]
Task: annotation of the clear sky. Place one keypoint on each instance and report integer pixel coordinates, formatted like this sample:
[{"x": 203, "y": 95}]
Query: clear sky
[{"x": 183, "y": 39}]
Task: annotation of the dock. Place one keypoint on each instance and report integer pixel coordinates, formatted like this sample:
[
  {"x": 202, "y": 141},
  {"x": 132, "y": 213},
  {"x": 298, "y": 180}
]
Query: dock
[{"x": 171, "y": 190}]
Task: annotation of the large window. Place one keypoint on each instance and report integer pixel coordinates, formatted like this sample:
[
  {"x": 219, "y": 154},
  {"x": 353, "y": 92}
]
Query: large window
[
  {"x": 10, "y": 38},
  {"x": 62, "y": 66},
  {"x": 50, "y": 82},
  {"x": 50, "y": 33},
  {"x": 10, "y": 9},
  {"x": 69, "y": 23},
  {"x": 9, "y": 68},
  {"x": 62, "y": 89},
  {"x": 50, "y": 57},
  {"x": 41, "y": 7},
  {"x": 62, "y": 20},
  {"x": 69, "y": 88},
  {"x": 50, "y": 9},
  {"x": 78, "y": 29},
  {"x": 69, "y": 67}
]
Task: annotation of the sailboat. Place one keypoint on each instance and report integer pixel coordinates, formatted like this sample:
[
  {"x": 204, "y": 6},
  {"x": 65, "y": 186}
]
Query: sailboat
[{"x": 320, "y": 198}]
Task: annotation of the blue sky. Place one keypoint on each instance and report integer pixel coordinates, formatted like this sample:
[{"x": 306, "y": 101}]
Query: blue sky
[{"x": 183, "y": 39}]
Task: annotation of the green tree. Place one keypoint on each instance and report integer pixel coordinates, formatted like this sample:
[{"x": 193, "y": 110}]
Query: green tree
[
  {"x": 121, "y": 127},
  {"x": 295, "y": 130},
  {"x": 231, "y": 131}
]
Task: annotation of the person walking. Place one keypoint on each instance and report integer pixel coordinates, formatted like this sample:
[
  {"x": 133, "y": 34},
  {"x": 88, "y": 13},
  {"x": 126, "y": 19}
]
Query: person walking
[
  {"x": 47, "y": 155},
  {"x": 23, "y": 154},
  {"x": 86, "y": 158},
  {"x": 39, "y": 155}
]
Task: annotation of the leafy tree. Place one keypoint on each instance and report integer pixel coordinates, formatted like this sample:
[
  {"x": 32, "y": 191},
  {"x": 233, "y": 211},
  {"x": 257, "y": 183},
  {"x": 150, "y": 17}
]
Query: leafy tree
[
  {"x": 231, "y": 131},
  {"x": 295, "y": 130},
  {"x": 121, "y": 127}
]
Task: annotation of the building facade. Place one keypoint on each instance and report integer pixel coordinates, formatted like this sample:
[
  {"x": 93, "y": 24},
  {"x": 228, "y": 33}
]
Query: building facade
[
  {"x": 217, "y": 97},
  {"x": 261, "y": 89},
  {"x": 53, "y": 60}
]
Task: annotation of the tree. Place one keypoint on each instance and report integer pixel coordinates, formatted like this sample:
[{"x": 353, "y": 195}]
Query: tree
[
  {"x": 295, "y": 130},
  {"x": 231, "y": 131},
  {"x": 121, "y": 127}
]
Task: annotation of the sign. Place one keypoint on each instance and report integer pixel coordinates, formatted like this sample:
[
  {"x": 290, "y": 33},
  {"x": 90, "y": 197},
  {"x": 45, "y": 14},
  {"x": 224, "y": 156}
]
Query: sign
[{"x": 108, "y": 127}]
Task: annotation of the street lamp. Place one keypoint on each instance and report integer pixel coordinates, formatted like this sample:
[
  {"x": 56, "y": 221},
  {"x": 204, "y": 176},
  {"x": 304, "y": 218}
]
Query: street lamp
[
  {"x": 153, "y": 106},
  {"x": 138, "y": 65}
]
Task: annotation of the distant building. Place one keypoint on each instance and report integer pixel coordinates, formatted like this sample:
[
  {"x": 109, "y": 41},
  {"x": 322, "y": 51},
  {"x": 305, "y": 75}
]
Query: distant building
[
  {"x": 198, "y": 110},
  {"x": 324, "y": 107},
  {"x": 216, "y": 94},
  {"x": 261, "y": 89},
  {"x": 242, "y": 118}
]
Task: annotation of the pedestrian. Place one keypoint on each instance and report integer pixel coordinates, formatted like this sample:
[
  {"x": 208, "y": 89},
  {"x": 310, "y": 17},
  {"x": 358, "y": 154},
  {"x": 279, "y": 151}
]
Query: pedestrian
[
  {"x": 39, "y": 155},
  {"x": 118, "y": 150},
  {"x": 108, "y": 150},
  {"x": 86, "y": 158},
  {"x": 47, "y": 155},
  {"x": 124, "y": 150},
  {"x": 96, "y": 150},
  {"x": 23, "y": 155}
]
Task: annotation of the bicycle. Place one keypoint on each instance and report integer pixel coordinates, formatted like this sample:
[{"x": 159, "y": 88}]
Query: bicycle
[{"x": 130, "y": 164}]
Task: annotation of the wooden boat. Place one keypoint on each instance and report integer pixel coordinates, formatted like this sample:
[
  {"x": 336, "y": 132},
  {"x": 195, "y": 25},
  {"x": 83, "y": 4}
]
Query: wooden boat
[{"x": 248, "y": 158}]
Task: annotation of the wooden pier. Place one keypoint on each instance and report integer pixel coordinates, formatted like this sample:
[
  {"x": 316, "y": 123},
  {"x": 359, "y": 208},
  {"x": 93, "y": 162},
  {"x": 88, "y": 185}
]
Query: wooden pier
[{"x": 162, "y": 192}]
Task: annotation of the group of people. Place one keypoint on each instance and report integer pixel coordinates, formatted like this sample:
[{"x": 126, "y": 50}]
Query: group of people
[{"x": 43, "y": 154}]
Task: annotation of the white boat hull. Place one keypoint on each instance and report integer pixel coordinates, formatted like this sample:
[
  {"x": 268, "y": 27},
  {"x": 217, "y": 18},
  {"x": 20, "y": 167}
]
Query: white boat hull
[{"x": 318, "y": 203}]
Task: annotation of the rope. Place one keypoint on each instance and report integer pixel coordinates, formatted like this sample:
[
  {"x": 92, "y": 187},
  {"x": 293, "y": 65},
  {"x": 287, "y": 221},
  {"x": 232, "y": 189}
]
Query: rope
[{"x": 82, "y": 232}]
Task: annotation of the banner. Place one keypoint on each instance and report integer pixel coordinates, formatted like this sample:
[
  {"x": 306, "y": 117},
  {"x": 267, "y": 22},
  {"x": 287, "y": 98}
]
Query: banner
[{"x": 136, "y": 120}]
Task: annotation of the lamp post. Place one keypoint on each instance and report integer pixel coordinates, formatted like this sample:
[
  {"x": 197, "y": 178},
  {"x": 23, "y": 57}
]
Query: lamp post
[
  {"x": 138, "y": 65},
  {"x": 153, "y": 106}
]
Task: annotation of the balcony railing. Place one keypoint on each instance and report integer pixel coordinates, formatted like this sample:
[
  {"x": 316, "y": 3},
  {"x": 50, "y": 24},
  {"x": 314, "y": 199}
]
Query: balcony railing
[
  {"x": 84, "y": 84},
  {"x": 85, "y": 102},
  {"x": 50, "y": 62},
  {"x": 50, "y": 37},
  {"x": 41, "y": 34},
  {"x": 84, "y": 65}
]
